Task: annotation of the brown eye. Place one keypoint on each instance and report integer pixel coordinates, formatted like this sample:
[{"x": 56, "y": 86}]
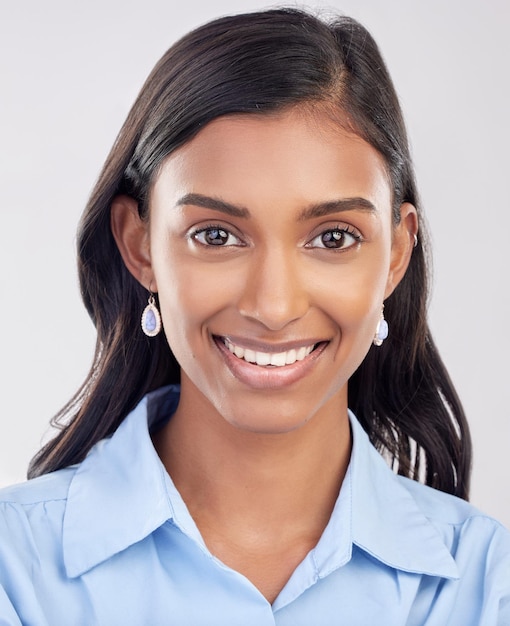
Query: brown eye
[
  {"x": 333, "y": 238},
  {"x": 215, "y": 236},
  {"x": 336, "y": 239}
]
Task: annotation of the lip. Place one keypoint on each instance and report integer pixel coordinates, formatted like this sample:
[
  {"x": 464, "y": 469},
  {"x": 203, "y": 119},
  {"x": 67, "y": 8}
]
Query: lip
[{"x": 269, "y": 377}]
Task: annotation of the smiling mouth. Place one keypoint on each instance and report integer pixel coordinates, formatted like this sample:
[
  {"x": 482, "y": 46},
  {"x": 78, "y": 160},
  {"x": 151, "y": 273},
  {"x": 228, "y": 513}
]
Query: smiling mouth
[{"x": 275, "y": 359}]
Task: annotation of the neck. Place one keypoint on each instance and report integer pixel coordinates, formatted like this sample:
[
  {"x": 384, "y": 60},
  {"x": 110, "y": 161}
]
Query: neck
[{"x": 243, "y": 481}]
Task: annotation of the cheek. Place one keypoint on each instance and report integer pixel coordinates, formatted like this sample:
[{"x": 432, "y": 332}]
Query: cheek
[
  {"x": 356, "y": 291},
  {"x": 182, "y": 299},
  {"x": 190, "y": 294},
  {"x": 355, "y": 305}
]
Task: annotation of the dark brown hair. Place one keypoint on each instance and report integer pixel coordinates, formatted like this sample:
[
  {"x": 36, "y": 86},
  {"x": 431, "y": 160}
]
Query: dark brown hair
[{"x": 260, "y": 63}]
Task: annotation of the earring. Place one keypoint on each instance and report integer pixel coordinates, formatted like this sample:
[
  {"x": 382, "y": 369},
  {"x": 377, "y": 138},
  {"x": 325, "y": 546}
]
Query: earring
[
  {"x": 381, "y": 332},
  {"x": 151, "y": 319}
]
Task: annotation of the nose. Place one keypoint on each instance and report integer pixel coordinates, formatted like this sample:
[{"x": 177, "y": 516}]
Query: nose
[{"x": 275, "y": 292}]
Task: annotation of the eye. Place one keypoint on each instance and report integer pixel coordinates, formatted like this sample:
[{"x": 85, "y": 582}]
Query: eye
[
  {"x": 335, "y": 238},
  {"x": 215, "y": 236}
]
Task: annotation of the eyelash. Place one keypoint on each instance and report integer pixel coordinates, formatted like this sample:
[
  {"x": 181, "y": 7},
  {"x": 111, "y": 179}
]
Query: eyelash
[{"x": 343, "y": 230}]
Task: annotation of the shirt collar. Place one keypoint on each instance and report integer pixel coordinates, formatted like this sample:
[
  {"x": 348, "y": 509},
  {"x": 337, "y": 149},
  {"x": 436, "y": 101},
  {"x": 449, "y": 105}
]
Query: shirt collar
[
  {"x": 376, "y": 514},
  {"x": 121, "y": 493},
  {"x": 118, "y": 495},
  {"x": 387, "y": 521}
]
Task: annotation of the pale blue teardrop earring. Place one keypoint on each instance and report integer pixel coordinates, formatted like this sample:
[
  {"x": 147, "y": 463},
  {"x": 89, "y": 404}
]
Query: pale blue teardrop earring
[
  {"x": 151, "y": 319},
  {"x": 381, "y": 331}
]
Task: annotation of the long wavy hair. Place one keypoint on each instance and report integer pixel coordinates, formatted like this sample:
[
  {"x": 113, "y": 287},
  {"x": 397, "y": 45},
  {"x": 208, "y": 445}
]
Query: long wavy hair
[{"x": 259, "y": 63}]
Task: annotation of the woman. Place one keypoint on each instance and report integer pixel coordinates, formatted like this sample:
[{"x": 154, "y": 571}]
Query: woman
[{"x": 259, "y": 213}]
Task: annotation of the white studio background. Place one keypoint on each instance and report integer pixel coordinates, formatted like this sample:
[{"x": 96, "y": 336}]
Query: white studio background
[{"x": 69, "y": 73}]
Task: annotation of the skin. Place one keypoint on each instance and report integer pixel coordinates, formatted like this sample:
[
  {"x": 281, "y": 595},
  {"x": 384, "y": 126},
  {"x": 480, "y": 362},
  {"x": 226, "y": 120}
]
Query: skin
[{"x": 256, "y": 449}]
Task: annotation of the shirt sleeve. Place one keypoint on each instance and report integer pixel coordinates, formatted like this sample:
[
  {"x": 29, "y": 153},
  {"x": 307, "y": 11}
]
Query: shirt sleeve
[
  {"x": 8, "y": 616},
  {"x": 19, "y": 566},
  {"x": 497, "y": 585}
]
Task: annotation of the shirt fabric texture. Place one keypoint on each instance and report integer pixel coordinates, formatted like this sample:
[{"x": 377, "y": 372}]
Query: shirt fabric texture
[{"x": 110, "y": 542}]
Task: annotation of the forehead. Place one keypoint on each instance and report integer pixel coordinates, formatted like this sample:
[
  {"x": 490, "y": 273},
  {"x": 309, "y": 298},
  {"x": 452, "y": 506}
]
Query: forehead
[{"x": 303, "y": 156}]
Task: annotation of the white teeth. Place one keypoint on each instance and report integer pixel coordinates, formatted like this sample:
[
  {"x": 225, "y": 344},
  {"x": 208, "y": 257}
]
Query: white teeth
[
  {"x": 250, "y": 356},
  {"x": 277, "y": 359},
  {"x": 262, "y": 358},
  {"x": 291, "y": 357},
  {"x": 301, "y": 353}
]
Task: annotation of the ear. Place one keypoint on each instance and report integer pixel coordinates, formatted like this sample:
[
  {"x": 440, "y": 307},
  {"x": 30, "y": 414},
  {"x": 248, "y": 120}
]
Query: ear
[
  {"x": 131, "y": 234},
  {"x": 403, "y": 242}
]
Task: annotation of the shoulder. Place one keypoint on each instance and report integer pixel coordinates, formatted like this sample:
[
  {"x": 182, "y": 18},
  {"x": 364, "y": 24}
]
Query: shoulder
[
  {"x": 471, "y": 535},
  {"x": 480, "y": 546},
  {"x": 47, "y": 488},
  {"x": 31, "y": 525},
  {"x": 439, "y": 506},
  {"x": 31, "y": 509},
  {"x": 444, "y": 509}
]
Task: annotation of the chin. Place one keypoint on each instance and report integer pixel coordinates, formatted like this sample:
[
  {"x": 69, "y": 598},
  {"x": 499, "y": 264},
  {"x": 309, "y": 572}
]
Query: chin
[{"x": 268, "y": 415}]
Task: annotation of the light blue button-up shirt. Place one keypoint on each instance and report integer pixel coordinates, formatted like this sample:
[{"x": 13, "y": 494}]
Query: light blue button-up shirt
[{"x": 110, "y": 542}]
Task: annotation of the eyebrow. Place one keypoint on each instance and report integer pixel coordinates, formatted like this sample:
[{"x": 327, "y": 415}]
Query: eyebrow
[
  {"x": 320, "y": 209},
  {"x": 337, "y": 206},
  {"x": 197, "y": 199}
]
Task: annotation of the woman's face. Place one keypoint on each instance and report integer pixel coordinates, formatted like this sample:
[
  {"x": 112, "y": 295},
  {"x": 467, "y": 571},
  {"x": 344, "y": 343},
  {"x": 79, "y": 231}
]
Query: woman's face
[{"x": 272, "y": 249}]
